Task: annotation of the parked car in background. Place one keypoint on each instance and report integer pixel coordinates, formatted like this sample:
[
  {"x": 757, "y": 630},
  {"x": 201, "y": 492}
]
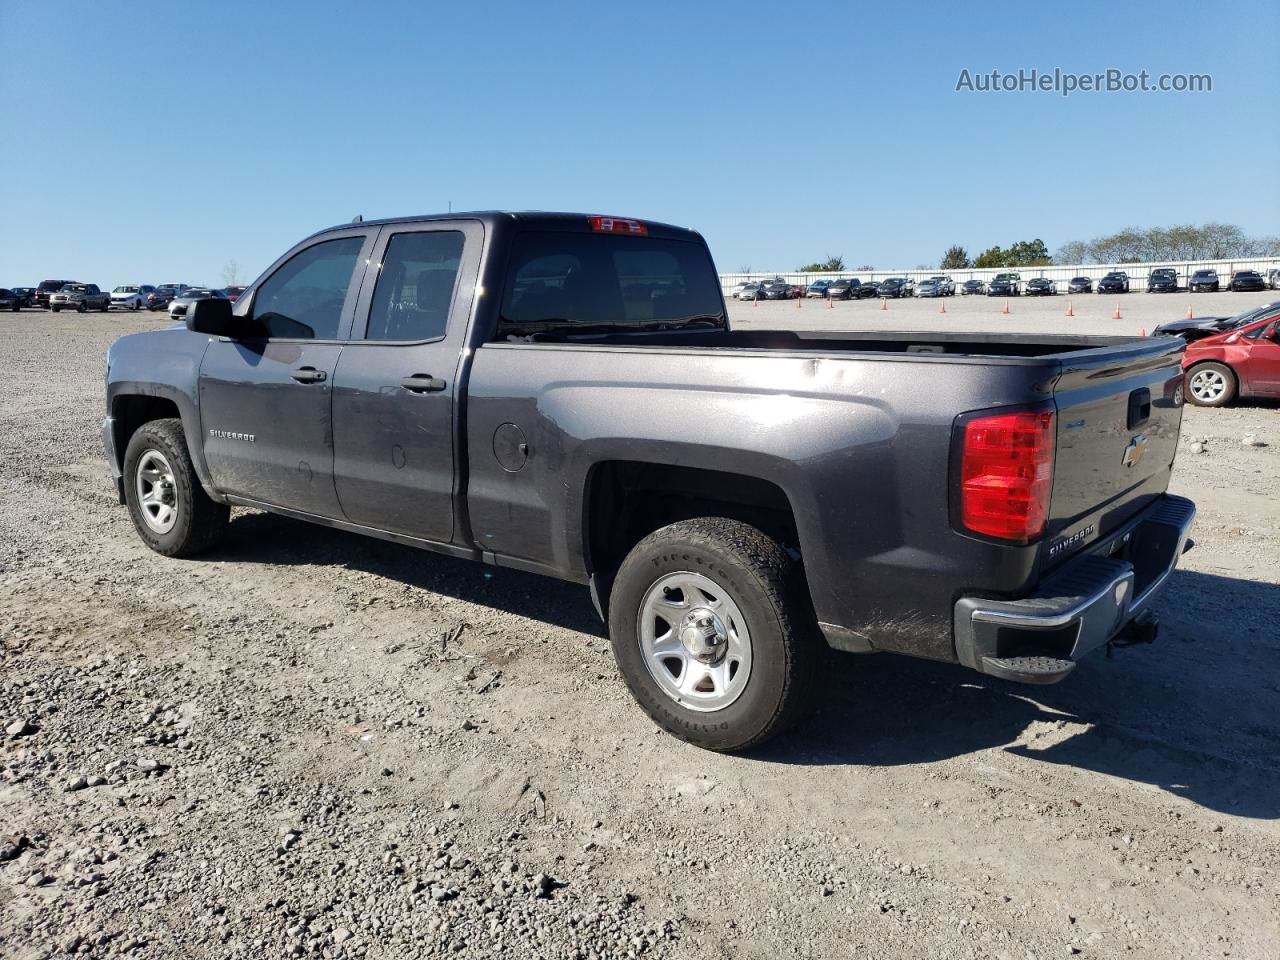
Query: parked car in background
[
  {"x": 1204, "y": 281},
  {"x": 1041, "y": 287},
  {"x": 896, "y": 287},
  {"x": 733, "y": 291},
  {"x": 843, "y": 289},
  {"x": 749, "y": 291},
  {"x": 10, "y": 300},
  {"x": 818, "y": 288},
  {"x": 1162, "y": 280},
  {"x": 938, "y": 286},
  {"x": 1273, "y": 278},
  {"x": 1239, "y": 363},
  {"x": 233, "y": 292},
  {"x": 1080, "y": 285},
  {"x": 1198, "y": 328},
  {"x": 80, "y": 297},
  {"x": 164, "y": 294},
  {"x": 1117, "y": 281},
  {"x": 131, "y": 296},
  {"x": 1005, "y": 285},
  {"x": 25, "y": 295},
  {"x": 1245, "y": 280},
  {"x": 179, "y": 305},
  {"x": 970, "y": 287},
  {"x": 46, "y": 289},
  {"x": 776, "y": 290}
]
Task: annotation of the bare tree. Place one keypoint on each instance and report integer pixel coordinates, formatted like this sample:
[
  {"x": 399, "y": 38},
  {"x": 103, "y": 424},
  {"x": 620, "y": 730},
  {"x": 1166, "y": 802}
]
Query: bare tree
[{"x": 230, "y": 273}]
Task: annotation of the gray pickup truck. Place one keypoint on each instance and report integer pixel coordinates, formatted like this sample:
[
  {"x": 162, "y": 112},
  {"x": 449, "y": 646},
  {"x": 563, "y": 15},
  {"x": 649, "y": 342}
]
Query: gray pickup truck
[{"x": 564, "y": 394}]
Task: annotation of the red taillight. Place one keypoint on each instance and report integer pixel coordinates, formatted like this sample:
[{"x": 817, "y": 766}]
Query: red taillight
[
  {"x": 1006, "y": 474},
  {"x": 617, "y": 225}
]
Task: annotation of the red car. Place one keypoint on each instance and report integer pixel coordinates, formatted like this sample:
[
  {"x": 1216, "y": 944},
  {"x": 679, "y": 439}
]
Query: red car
[
  {"x": 1239, "y": 363},
  {"x": 233, "y": 292}
]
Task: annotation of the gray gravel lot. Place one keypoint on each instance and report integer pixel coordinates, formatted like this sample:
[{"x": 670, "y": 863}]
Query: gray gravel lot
[{"x": 309, "y": 744}]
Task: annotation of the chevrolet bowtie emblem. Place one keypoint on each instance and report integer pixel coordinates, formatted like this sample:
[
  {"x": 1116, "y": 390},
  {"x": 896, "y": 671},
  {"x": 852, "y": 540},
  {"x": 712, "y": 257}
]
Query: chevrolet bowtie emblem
[{"x": 1135, "y": 450}]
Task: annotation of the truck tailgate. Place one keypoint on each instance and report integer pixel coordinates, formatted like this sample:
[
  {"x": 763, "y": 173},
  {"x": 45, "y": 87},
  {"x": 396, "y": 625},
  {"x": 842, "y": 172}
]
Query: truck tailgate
[{"x": 1119, "y": 411}]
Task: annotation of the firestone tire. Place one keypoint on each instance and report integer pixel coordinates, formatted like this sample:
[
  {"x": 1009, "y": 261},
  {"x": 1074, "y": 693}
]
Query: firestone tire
[
  {"x": 750, "y": 594},
  {"x": 158, "y": 474}
]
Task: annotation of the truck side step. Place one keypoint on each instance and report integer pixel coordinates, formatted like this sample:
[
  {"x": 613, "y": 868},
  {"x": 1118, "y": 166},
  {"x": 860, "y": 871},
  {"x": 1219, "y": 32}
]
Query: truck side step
[{"x": 1042, "y": 670}]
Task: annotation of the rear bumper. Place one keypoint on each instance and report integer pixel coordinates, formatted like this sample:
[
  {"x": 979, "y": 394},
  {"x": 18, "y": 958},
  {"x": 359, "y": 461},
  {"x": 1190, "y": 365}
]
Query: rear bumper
[{"x": 1081, "y": 606}]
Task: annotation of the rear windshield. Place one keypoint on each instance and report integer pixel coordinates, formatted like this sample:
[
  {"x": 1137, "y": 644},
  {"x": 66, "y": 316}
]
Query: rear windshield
[{"x": 565, "y": 280}]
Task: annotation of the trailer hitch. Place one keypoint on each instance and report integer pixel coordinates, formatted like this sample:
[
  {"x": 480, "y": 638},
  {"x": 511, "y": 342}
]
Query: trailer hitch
[{"x": 1141, "y": 629}]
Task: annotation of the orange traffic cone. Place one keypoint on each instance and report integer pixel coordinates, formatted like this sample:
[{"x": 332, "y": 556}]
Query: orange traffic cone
[
  {"x": 1070, "y": 312},
  {"x": 797, "y": 303},
  {"x": 830, "y": 304},
  {"x": 1189, "y": 317},
  {"x": 1143, "y": 333},
  {"x": 1116, "y": 315},
  {"x": 942, "y": 307},
  {"x": 1006, "y": 307},
  {"x": 884, "y": 304}
]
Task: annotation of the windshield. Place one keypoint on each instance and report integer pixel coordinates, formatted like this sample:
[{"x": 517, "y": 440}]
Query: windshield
[
  {"x": 125, "y": 290},
  {"x": 563, "y": 280}
]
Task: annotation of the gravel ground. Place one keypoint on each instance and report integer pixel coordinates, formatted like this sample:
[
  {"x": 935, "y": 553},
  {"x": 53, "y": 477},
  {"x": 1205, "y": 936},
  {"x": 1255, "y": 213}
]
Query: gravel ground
[{"x": 309, "y": 744}]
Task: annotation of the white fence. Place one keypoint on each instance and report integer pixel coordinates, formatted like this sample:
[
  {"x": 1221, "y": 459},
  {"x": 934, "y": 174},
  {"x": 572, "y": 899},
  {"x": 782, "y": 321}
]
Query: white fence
[{"x": 1137, "y": 272}]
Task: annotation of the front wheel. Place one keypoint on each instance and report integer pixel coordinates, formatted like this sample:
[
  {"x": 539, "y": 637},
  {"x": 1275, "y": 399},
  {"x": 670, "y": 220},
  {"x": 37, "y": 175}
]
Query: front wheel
[
  {"x": 82, "y": 307},
  {"x": 1211, "y": 385},
  {"x": 713, "y": 632},
  {"x": 169, "y": 508}
]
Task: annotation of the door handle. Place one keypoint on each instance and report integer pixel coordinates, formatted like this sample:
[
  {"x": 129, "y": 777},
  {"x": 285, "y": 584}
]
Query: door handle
[
  {"x": 423, "y": 383},
  {"x": 309, "y": 375}
]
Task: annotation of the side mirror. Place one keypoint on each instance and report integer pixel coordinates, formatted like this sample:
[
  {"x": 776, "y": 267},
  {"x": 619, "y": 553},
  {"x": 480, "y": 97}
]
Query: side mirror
[{"x": 212, "y": 317}]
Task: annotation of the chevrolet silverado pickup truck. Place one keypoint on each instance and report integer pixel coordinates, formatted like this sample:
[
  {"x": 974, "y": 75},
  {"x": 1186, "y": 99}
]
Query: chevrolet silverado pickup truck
[{"x": 565, "y": 394}]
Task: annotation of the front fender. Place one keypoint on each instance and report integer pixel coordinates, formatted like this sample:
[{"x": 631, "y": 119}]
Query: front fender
[{"x": 164, "y": 364}]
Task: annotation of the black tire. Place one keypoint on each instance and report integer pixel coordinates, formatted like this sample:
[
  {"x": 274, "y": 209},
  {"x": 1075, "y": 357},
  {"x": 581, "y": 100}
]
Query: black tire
[
  {"x": 769, "y": 591},
  {"x": 200, "y": 521},
  {"x": 55, "y": 309},
  {"x": 106, "y": 306},
  {"x": 1221, "y": 369},
  {"x": 137, "y": 305},
  {"x": 82, "y": 307}
]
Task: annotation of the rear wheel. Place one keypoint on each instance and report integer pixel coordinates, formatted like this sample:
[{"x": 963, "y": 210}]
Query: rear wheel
[
  {"x": 1211, "y": 384},
  {"x": 169, "y": 508},
  {"x": 712, "y": 630}
]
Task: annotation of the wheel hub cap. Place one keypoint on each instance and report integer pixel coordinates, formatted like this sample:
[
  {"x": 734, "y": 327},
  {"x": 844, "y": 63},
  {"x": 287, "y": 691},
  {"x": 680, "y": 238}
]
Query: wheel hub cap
[{"x": 704, "y": 636}]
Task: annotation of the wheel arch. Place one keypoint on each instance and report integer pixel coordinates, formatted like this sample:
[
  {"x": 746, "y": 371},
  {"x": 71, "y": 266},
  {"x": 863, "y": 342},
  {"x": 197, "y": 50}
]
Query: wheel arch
[{"x": 132, "y": 406}]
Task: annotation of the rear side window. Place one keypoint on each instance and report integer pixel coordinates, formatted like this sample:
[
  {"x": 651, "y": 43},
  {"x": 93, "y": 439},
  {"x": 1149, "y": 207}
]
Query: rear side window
[
  {"x": 559, "y": 280},
  {"x": 303, "y": 299},
  {"x": 415, "y": 286}
]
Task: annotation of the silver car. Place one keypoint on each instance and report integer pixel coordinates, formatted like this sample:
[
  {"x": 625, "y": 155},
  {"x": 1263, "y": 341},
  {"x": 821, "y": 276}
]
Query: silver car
[
  {"x": 178, "y": 305},
  {"x": 131, "y": 296}
]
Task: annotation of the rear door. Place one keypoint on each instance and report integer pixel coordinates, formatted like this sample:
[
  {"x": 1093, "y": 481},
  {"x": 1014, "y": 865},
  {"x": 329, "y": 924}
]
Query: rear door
[
  {"x": 1119, "y": 411},
  {"x": 266, "y": 398},
  {"x": 396, "y": 384}
]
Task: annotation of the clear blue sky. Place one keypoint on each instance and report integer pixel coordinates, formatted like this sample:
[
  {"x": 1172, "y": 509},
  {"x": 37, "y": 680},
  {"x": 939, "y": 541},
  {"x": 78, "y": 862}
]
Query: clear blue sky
[{"x": 155, "y": 141}]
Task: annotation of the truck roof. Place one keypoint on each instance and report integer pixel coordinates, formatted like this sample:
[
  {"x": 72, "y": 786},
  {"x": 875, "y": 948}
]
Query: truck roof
[{"x": 576, "y": 222}]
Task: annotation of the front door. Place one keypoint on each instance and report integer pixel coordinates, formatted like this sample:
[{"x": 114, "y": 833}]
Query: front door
[
  {"x": 266, "y": 396},
  {"x": 1263, "y": 365},
  {"x": 393, "y": 400}
]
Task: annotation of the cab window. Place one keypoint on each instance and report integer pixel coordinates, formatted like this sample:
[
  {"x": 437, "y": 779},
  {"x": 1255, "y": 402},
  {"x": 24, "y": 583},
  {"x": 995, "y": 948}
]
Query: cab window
[
  {"x": 303, "y": 299},
  {"x": 415, "y": 286}
]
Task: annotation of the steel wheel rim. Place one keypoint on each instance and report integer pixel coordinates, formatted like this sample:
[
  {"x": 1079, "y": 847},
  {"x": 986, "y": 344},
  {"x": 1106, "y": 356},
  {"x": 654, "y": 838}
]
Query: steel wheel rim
[
  {"x": 1208, "y": 385},
  {"x": 157, "y": 492},
  {"x": 694, "y": 641}
]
